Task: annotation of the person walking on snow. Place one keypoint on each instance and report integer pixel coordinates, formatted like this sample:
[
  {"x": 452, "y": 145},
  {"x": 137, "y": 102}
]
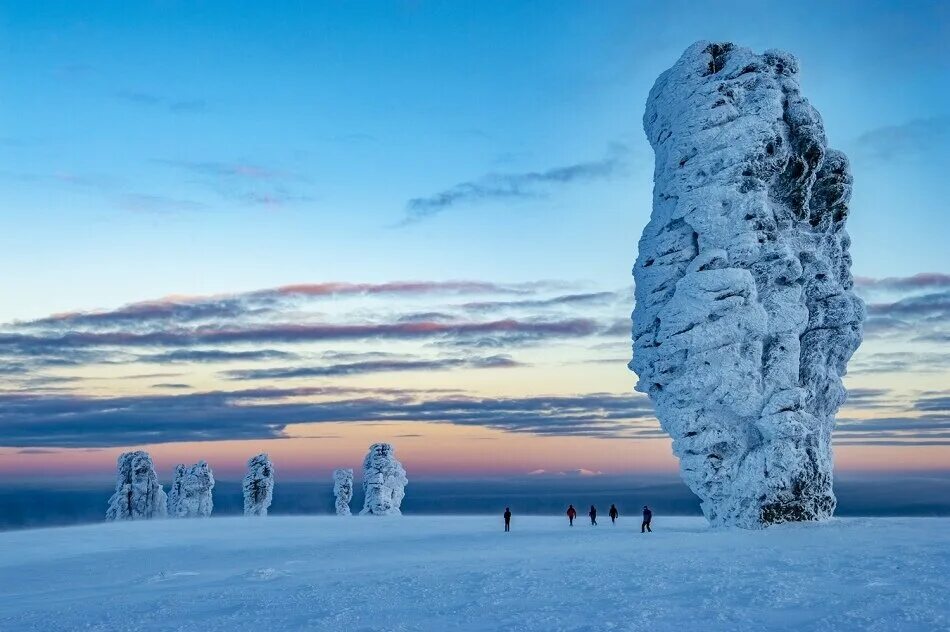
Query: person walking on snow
[
  {"x": 593, "y": 516},
  {"x": 571, "y": 514},
  {"x": 613, "y": 513},
  {"x": 507, "y": 519},
  {"x": 647, "y": 517}
]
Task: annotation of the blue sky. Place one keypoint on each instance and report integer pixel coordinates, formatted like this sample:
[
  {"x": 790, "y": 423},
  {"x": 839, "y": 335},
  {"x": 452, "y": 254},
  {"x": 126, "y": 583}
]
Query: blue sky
[
  {"x": 155, "y": 149},
  {"x": 124, "y": 124}
]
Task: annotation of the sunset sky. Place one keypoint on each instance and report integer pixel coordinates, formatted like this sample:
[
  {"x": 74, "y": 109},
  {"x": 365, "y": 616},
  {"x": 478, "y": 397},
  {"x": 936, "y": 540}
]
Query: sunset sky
[{"x": 302, "y": 228}]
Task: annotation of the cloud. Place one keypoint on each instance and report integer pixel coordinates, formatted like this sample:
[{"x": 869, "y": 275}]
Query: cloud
[
  {"x": 245, "y": 182},
  {"x": 140, "y": 98},
  {"x": 899, "y": 362},
  {"x": 498, "y": 186},
  {"x": 146, "y": 376},
  {"x": 50, "y": 419},
  {"x": 149, "y": 203},
  {"x": 580, "y": 472},
  {"x": 423, "y": 316},
  {"x": 151, "y": 100},
  {"x": 215, "y": 355},
  {"x": 916, "y": 282},
  {"x": 916, "y": 138},
  {"x": 893, "y": 427},
  {"x": 936, "y": 305},
  {"x": 569, "y": 300},
  {"x": 187, "y": 309},
  {"x": 239, "y": 170},
  {"x": 373, "y": 366},
  {"x": 54, "y": 420},
  {"x": 934, "y": 402},
  {"x": 867, "y": 397},
  {"x": 926, "y": 316},
  {"x": 73, "y": 70},
  {"x": 253, "y": 326},
  {"x": 926, "y": 422},
  {"x": 188, "y": 105},
  {"x": 293, "y": 333}
]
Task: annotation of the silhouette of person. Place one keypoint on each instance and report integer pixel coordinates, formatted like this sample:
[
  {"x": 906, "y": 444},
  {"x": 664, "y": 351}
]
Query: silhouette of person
[
  {"x": 571, "y": 514},
  {"x": 593, "y": 515},
  {"x": 613, "y": 513},
  {"x": 647, "y": 517},
  {"x": 507, "y": 519}
]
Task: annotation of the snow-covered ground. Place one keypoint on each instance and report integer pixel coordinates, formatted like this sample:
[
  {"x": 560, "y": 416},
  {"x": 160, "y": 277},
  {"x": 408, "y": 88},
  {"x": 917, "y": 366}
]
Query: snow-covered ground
[{"x": 465, "y": 573}]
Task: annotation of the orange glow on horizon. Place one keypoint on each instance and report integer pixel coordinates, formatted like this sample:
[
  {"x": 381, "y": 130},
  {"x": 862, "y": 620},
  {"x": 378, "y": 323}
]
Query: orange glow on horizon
[{"x": 429, "y": 450}]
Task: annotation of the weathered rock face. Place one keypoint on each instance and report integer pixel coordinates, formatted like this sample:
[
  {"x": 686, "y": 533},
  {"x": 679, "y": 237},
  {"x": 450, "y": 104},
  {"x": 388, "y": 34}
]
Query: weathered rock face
[
  {"x": 258, "y": 485},
  {"x": 138, "y": 494},
  {"x": 190, "y": 493},
  {"x": 343, "y": 490},
  {"x": 745, "y": 316},
  {"x": 384, "y": 481}
]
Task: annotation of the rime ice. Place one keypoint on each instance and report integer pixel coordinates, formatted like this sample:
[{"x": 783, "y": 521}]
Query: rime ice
[
  {"x": 190, "y": 493},
  {"x": 138, "y": 495},
  {"x": 384, "y": 481},
  {"x": 745, "y": 316},
  {"x": 343, "y": 490},
  {"x": 258, "y": 485}
]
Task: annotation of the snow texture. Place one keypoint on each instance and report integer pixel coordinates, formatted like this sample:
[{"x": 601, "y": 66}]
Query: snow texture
[
  {"x": 384, "y": 481},
  {"x": 745, "y": 317},
  {"x": 464, "y": 573},
  {"x": 138, "y": 495},
  {"x": 190, "y": 493},
  {"x": 343, "y": 490},
  {"x": 258, "y": 485}
]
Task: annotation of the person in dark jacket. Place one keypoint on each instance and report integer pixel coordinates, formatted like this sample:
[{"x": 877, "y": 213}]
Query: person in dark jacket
[
  {"x": 647, "y": 517},
  {"x": 507, "y": 519},
  {"x": 571, "y": 514},
  {"x": 593, "y": 515},
  {"x": 613, "y": 513}
]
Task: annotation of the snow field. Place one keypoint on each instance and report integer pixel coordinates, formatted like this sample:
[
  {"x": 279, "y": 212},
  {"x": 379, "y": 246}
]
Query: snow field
[{"x": 465, "y": 573}]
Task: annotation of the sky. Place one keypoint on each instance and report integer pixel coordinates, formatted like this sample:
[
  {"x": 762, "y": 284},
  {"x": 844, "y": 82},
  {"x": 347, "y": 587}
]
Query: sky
[{"x": 304, "y": 227}]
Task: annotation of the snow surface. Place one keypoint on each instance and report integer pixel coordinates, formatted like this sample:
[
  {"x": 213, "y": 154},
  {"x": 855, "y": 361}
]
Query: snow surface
[
  {"x": 745, "y": 315},
  {"x": 465, "y": 573}
]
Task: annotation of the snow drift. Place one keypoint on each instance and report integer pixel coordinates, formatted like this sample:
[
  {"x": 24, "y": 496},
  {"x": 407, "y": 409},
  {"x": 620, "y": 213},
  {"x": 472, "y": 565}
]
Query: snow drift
[
  {"x": 745, "y": 316},
  {"x": 138, "y": 495},
  {"x": 384, "y": 481}
]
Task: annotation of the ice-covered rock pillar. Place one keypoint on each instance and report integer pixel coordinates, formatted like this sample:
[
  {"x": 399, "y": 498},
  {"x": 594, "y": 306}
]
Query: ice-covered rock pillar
[
  {"x": 138, "y": 494},
  {"x": 190, "y": 493},
  {"x": 384, "y": 481},
  {"x": 258, "y": 485},
  {"x": 745, "y": 316},
  {"x": 343, "y": 490}
]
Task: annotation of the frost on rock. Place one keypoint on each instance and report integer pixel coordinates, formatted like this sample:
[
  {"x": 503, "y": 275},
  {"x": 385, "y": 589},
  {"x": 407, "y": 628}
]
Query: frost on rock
[
  {"x": 745, "y": 317},
  {"x": 258, "y": 485},
  {"x": 343, "y": 490},
  {"x": 384, "y": 481},
  {"x": 190, "y": 493},
  {"x": 138, "y": 494}
]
